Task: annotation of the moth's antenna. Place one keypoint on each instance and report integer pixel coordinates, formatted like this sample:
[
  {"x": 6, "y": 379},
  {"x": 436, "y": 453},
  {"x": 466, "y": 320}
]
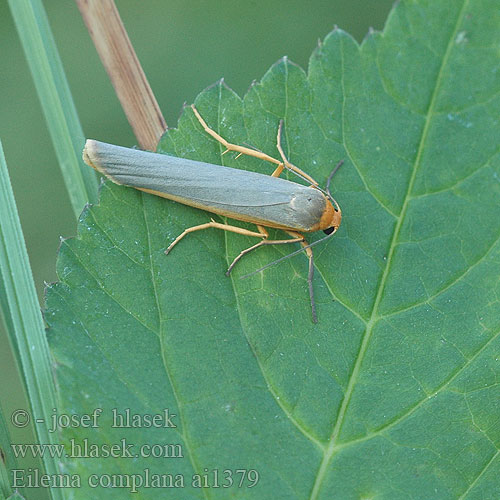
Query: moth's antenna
[
  {"x": 324, "y": 191},
  {"x": 333, "y": 172},
  {"x": 290, "y": 255},
  {"x": 327, "y": 187},
  {"x": 301, "y": 176}
]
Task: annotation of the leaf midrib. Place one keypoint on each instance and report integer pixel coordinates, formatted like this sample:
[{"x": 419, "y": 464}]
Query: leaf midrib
[{"x": 331, "y": 448}]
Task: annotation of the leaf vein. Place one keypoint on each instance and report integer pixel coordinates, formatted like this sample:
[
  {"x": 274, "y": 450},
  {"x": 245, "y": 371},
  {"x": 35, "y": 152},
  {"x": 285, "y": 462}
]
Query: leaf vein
[
  {"x": 476, "y": 480},
  {"x": 459, "y": 181},
  {"x": 101, "y": 286},
  {"x": 429, "y": 397},
  {"x": 114, "y": 243},
  {"x": 449, "y": 285}
]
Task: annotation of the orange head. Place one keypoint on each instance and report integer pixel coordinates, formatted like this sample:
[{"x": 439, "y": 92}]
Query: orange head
[{"x": 330, "y": 220}]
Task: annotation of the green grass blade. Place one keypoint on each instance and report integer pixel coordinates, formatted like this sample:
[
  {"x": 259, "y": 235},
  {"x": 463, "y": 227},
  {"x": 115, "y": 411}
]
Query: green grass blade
[
  {"x": 6, "y": 458},
  {"x": 27, "y": 331},
  {"x": 5, "y": 319},
  {"x": 53, "y": 90}
]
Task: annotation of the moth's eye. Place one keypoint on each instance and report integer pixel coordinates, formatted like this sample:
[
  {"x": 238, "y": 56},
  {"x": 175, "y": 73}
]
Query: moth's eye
[{"x": 329, "y": 230}]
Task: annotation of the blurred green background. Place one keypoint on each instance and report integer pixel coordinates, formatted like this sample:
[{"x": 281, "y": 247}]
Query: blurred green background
[{"x": 184, "y": 46}]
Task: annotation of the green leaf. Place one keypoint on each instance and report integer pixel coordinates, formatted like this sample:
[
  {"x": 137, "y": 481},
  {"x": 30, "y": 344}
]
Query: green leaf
[{"x": 394, "y": 393}]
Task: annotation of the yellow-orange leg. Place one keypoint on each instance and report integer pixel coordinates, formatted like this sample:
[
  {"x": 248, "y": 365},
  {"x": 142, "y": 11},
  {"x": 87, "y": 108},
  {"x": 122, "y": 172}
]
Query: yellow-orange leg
[
  {"x": 251, "y": 152},
  {"x": 225, "y": 227},
  {"x": 261, "y": 243},
  {"x": 228, "y": 145},
  {"x": 289, "y": 165}
]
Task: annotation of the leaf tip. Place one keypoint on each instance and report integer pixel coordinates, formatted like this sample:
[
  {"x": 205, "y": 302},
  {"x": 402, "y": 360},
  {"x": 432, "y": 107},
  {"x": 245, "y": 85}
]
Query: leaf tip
[
  {"x": 251, "y": 86},
  {"x": 62, "y": 242},
  {"x": 47, "y": 285}
]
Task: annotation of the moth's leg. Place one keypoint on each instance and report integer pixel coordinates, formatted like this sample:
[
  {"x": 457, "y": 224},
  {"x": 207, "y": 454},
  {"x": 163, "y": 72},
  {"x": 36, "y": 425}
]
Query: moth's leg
[
  {"x": 233, "y": 147},
  {"x": 225, "y": 227},
  {"x": 262, "y": 229},
  {"x": 278, "y": 170},
  {"x": 310, "y": 275},
  {"x": 296, "y": 239},
  {"x": 289, "y": 165}
]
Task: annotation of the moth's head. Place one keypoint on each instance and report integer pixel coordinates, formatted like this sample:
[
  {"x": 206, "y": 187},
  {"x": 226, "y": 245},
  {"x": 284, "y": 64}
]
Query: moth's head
[
  {"x": 331, "y": 218},
  {"x": 334, "y": 223}
]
